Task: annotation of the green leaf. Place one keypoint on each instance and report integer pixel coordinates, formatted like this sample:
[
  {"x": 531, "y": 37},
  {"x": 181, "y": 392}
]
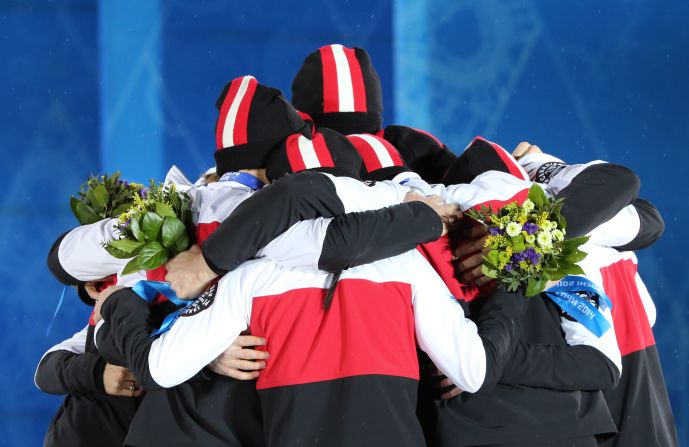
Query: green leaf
[
  {"x": 73, "y": 201},
  {"x": 119, "y": 254},
  {"x": 131, "y": 267},
  {"x": 152, "y": 256},
  {"x": 182, "y": 243},
  {"x": 535, "y": 286},
  {"x": 151, "y": 226},
  {"x": 574, "y": 243},
  {"x": 576, "y": 256},
  {"x": 85, "y": 214},
  {"x": 101, "y": 195},
  {"x": 537, "y": 196},
  {"x": 489, "y": 272},
  {"x": 172, "y": 230},
  {"x": 164, "y": 210},
  {"x": 493, "y": 257},
  {"x": 127, "y": 245},
  {"x": 120, "y": 209},
  {"x": 136, "y": 229},
  {"x": 570, "y": 269}
]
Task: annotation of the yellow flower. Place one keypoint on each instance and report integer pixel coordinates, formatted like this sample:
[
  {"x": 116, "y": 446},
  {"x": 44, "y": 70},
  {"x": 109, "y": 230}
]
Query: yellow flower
[
  {"x": 529, "y": 238},
  {"x": 528, "y": 205}
]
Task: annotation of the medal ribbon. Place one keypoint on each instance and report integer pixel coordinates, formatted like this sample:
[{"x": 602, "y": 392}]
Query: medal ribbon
[
  {"x": 563, "y": 294},
  {"x": 148, "y": 290}
]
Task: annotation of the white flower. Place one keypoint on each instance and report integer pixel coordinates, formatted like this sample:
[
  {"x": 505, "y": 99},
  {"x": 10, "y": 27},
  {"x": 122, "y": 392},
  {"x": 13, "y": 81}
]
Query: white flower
[
  {"x": 529, "y": 238},
  {"x": 557, "y": 235},
  {"x": 528, "y": 205},
  {"x": 544, "y": 239},
  {"x": 513, "y": 229}
]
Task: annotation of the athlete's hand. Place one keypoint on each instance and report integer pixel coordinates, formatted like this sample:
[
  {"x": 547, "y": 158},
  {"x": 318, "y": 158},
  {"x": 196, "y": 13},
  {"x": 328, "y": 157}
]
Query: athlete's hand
[
  {"x": 102, "y": 296},
  {"x": 469, "y": 254},
  {"x": 448, "y": 212},
  {"x": 119, "y": 381},
  {"x": 525, "y": 148},
  {"x": 442, "y": 387},
  {"x": 188, "y": 273},
  {"x": 239, "y": 361}
]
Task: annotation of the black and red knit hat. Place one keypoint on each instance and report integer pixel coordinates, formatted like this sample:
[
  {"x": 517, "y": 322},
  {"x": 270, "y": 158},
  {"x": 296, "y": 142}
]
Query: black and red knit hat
[
  {"x": 327, "y": 151},
  {"x": 253, "y": 119},
  {"x": 423, "y": 153},
  {"x": 480, "y": 156},
  {"x": 340, "y": 89},
  {"x": 381, "y": 161}
]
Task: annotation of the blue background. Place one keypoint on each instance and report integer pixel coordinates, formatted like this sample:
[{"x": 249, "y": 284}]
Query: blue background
[{"x": 91, "y": 87}]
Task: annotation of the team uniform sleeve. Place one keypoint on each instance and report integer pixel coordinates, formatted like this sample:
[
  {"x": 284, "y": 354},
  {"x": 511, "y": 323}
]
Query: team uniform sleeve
[
  {"x": 275, "y": 208},
  {"x": 472, "y": 356},
  {"x": 594, "y": 192},
  {"x": 78, "y": 255},
  {"x": 268, "y": 213},
  {"x": 67, "y": 369},
  {"x": 357, "y": 238},
  {"x": 563, "y": 368},
  {"x": 201, "y": 333}
]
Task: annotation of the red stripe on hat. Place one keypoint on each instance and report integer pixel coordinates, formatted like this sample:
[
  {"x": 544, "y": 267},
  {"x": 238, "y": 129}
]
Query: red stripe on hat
[
  {"x": 393, "y": 152},
  {"x": 322, "y": 151},
  {"x": 331, "y": 99},
  {"x": 428, "y": 135},
  {"x": 224, "y": 109},
  {"x": 241, "y": 123},
  {"x": 510, "y": 163},
  {"x": 368, "y": 154},
  {"x": 358, "y": 87},
  {"x": 296, "y": 163}
]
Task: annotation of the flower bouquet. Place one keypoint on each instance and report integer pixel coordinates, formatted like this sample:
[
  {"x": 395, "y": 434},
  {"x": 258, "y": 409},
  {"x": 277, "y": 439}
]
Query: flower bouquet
[
  {"x": 103, "y": 197},
  {"x": 154, "y": 229},
  {"x": 527, "y": 243}
]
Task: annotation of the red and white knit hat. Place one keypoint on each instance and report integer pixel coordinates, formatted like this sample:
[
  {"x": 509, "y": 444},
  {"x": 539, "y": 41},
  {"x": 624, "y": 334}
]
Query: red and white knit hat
[
  {"x": 423, "y": 152},
  {"x": 381, "y": 161},
  {"x": 327, "y": 151},
  {"x": 340, "y": 89},
  {"x": 480, "y": 156},
  {"x": 253, "y": 119}
]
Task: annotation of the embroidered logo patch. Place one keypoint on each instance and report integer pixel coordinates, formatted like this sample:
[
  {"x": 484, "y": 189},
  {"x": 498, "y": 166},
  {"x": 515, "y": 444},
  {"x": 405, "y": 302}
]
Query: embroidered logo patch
[
  {"x": 548, "y": 171},
  {"x": 201, "y": 303}
]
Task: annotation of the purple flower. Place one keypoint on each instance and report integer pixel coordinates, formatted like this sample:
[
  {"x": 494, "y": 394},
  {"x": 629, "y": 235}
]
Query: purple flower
[
  {"x": 518, "y": 257},
  {"x": 531, "y": 255},
  {"x": 530, "y": 228},
  {"x": 508, "y": 267},
  {"x": 143, "y": 192},
  {"x": 494, "y": 231}
]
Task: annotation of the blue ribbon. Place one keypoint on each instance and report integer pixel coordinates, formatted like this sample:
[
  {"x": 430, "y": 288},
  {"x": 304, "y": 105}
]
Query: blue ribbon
[
  {"x": 243, "y": 178},
  {"x": 563, "y": 294},
  {"x": 148, "y": 290}
]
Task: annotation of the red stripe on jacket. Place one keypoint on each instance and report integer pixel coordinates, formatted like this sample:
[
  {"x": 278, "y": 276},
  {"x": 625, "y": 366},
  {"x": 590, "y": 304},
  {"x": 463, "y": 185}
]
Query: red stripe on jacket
[
  {"x": 629, "y": 317},
  {"x": 369, "y": 329}
]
